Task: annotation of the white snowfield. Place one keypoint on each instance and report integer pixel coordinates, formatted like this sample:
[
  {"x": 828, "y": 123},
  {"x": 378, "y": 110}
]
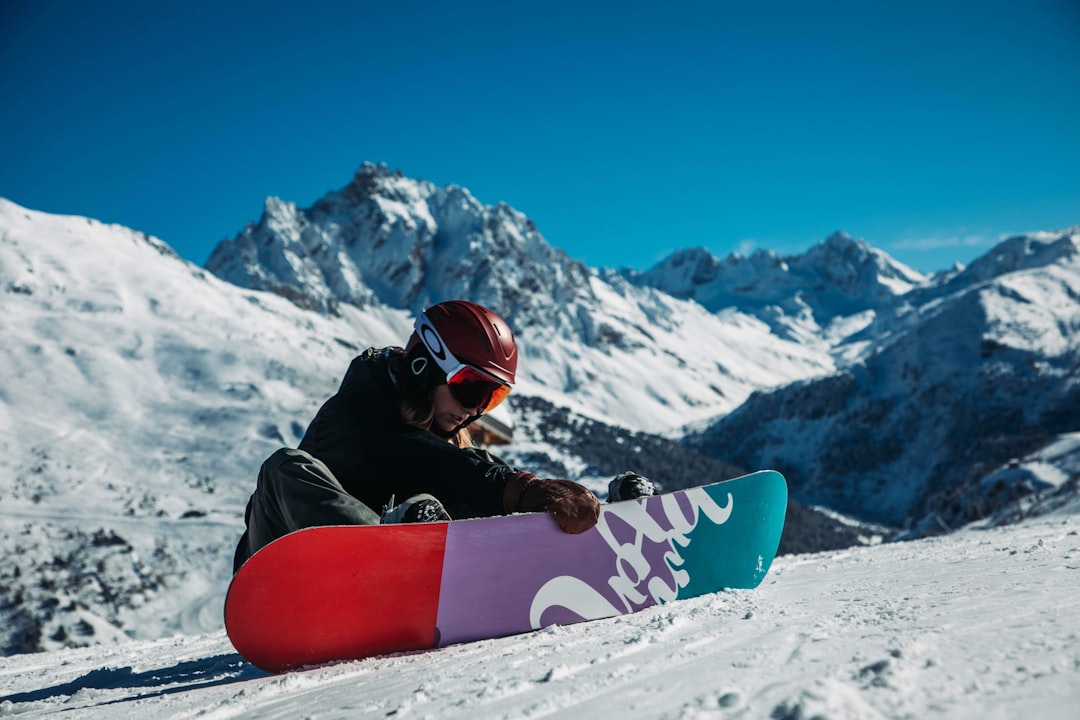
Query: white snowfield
[{"x": 979, "y": 624}]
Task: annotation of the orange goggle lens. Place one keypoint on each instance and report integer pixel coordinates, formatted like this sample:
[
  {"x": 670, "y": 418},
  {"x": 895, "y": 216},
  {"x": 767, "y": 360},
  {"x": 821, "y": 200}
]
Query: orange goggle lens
[{"x": 475, "y": 389}]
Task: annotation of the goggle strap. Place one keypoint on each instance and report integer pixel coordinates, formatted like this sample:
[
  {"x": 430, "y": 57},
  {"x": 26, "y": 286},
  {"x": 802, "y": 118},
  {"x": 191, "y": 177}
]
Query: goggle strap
[{"x": 440, "y": 352}]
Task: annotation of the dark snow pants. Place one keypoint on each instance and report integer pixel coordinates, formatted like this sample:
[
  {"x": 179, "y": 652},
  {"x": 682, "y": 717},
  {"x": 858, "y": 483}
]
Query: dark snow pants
[{"x": 294, "y": 491}]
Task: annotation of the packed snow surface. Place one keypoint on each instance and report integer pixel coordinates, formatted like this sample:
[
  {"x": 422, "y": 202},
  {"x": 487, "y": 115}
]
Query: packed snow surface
[{"x": 984, "y": 623}]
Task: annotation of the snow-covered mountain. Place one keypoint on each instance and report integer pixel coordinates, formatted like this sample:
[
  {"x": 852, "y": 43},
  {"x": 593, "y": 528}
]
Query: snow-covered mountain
[
  {"x": 950, "y": 384},
  {"x": 606, "y": 339},
  {"x": 818, "y": 297},
  {"x": 592, "y": 341},
  {"x": 140, "y": 393},
  {"x": 138, "y": 396},
  {"x": 391, "y": 240}
]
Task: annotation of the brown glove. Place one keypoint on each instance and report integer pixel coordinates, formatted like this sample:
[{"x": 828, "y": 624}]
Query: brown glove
[{"x": 572, "y": 505}]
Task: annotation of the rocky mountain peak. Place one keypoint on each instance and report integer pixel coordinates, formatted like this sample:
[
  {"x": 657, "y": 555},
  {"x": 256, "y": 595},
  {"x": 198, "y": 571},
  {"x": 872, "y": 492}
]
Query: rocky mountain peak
[
  {"x": 797, "y": 295},
  {"x": 1023, "y": 252},
  {"x": 404, "y": 243},
  {"x": 851, "y": 268}
]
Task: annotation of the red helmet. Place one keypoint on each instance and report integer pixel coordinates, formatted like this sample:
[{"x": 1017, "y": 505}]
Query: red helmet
[{"x": 469, "y": 333}]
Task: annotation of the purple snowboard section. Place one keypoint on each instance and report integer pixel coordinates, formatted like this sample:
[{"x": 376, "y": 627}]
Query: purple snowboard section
[{"x": 509, "y": 575}]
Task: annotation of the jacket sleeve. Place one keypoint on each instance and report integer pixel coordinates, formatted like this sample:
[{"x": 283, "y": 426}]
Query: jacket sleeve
[{"x": 469, "y": 482}]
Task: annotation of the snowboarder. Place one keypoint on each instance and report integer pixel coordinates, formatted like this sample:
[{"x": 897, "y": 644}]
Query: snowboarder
[{"x": 397, "y": 430}]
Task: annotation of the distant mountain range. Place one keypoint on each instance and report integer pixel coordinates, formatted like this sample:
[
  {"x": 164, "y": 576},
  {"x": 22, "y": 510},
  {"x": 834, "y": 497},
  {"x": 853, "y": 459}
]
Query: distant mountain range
[
  {"x": 930, "y": 381},
  {"x": 814, "y": 298},
  {"x": 141, "y": 392},
  {"x": 949, "y": 382},
  {"x": 598, "y": 341}
]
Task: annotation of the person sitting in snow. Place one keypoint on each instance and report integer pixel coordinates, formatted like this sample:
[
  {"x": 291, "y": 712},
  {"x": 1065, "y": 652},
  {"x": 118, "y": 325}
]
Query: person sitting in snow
[{"x": 397, "y": 429}]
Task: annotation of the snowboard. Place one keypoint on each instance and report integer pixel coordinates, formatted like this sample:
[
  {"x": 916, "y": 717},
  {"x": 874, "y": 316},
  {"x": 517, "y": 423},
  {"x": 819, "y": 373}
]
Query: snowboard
[{"x": 333, "y": 593}]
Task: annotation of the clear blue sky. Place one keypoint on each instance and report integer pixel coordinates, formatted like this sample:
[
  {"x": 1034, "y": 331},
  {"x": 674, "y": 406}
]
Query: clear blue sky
[{"x": 928, "y": 127}]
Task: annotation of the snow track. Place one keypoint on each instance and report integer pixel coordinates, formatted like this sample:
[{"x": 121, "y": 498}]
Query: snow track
[{"x": 979, "y": 624}]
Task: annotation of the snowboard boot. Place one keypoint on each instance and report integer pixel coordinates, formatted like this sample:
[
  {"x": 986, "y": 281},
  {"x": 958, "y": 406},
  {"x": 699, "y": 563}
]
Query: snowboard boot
[
  {"x": 421, "y": 508},
  {"x": 630, "y": 486}
]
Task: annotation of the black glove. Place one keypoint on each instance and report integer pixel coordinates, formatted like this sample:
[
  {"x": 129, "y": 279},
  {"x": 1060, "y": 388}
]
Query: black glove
[
  {"x": 572, "y": 505},
  {"x": 630, "y": 486}
]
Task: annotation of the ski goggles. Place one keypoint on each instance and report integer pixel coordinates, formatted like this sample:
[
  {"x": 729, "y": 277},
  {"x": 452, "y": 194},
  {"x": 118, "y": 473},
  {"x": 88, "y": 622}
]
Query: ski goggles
[{"x": 469, "y": 385}]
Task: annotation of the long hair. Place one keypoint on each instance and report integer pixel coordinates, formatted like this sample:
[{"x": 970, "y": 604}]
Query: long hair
[{"x": 418, "y": 411}]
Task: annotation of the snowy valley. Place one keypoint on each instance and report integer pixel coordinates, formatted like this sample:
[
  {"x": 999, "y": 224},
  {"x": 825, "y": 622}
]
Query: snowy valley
[{"x": 141, "y": 392}]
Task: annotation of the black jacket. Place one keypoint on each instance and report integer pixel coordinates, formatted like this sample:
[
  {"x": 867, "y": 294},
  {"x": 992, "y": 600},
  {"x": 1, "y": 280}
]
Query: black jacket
[{"x": 360, "y": 436}]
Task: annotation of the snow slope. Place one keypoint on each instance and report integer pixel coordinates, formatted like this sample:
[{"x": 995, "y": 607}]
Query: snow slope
[{"x": 978, "y": 624}]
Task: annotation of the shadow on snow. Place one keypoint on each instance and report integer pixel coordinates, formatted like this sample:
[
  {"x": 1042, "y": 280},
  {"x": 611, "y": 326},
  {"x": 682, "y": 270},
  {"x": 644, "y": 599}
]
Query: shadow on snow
[{"x": 182, "y": 677}]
